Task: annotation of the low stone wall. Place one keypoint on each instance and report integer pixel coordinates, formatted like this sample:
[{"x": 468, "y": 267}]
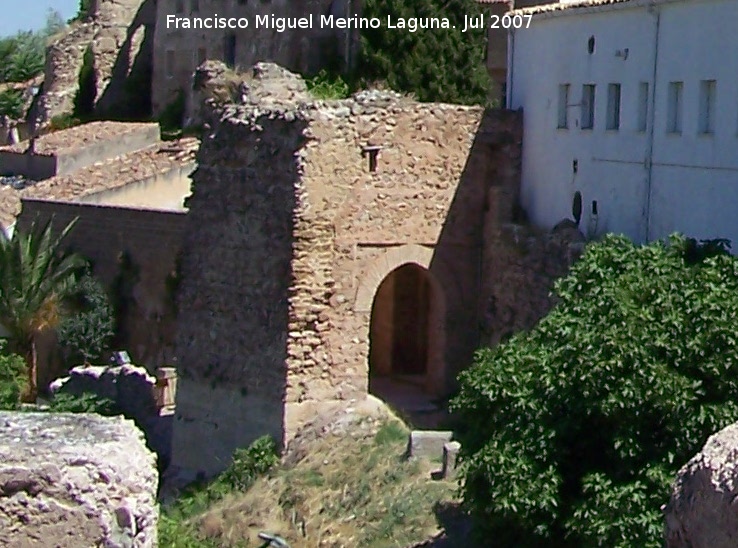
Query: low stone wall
[{"x": 70, "y": 480}]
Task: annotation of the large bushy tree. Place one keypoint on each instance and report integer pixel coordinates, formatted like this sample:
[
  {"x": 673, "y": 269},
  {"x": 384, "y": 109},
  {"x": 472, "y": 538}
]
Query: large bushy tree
[
  {"x": 574, "y": 431},
  {"x": 433, "y": 64},
  {"x": 36, "y": 276}
]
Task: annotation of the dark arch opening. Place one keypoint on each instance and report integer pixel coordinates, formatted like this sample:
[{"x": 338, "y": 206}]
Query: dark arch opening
[
  {"x": 399, "y": 324},
  {"x": 405, "y": 341}
]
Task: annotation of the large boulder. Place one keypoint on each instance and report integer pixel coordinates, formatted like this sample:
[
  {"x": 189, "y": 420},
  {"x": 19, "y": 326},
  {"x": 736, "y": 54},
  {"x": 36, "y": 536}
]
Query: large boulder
[
  {"x": 70, "y": 480},
  {"x": 702, "y": 510}
]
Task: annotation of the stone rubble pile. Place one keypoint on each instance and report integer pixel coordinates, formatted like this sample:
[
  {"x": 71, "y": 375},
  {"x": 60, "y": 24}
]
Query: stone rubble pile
[{"x": 71, "y": 480}]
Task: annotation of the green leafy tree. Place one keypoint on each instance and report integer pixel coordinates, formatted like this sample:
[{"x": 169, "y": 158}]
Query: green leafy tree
[
  {"x": 573, "y": 432},
  {"x": 434, "y": 64},
  {"x": 88, "y": 330},
  {"x": 36, "y": 275}
]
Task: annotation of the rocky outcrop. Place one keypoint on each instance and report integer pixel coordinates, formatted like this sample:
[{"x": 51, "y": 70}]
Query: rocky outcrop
[
  {"x": 64, "y": 60},
  {"x": 117, "y": 40},
  {"x": 215, "y": 85},
  {"x": 702, "y": 511},
  {"x": 71, "y": 480}
]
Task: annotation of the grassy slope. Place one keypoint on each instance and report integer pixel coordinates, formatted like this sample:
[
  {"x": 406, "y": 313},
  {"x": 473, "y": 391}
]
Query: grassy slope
[{"x": 351, "y": 490}]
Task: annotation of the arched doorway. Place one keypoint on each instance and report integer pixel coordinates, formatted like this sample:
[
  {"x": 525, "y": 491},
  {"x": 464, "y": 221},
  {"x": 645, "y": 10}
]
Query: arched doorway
[
  {"x": 406, "y": 338},
  {"x": 399, "y": 324}
]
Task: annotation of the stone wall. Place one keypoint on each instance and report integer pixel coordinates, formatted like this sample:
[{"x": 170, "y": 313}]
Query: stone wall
[
  {"x": 134, "y": 253},
  {"x": 178, "y": 52},
  {"x": 520, "y": 267},
  {"x": 289, "y": 236},
  {"x": 119, "y": 36},
  {"x": 70, "y": 480}
]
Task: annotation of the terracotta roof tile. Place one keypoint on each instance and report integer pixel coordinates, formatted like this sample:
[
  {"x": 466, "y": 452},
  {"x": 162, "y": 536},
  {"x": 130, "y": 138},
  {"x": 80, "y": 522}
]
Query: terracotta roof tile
[
  {"x": 562, "y": 6},
  {"x": 101, "y": 176},
  {"x": 77, "y": 137}
]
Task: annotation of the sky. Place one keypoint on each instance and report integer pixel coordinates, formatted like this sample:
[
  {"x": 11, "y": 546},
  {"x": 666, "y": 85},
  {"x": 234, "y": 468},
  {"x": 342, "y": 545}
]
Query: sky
[{"x": 18, "y": 15}]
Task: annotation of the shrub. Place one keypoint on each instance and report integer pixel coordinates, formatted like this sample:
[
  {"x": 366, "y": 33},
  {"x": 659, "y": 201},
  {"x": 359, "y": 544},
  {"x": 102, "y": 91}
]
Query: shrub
[
  {"x": 574, "y": 431},
  {"x": 86, "y": 334},
  {"x": 175, "y": 527},
  {"x": 249, "y": 463},
  {"x": 13, "y": 379},
  {"x": 324, "y": 86},
  {"x": 433, "y": 64},
  {"x": 84, "y": 403},
  {"x": 64, "y": 121},
  {"x": 11, "y": 104},
  {"x": 172, "y": 116}
]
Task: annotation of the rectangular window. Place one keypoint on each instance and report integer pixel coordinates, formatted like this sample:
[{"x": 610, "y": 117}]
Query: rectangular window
[
  {"x": 642, "y": 106},
  {"x": 169, "y": 62},
  {"x": 708, "y": 90},
  {"x": 674, "y": 112},
  {"x": 613, "y": 106},
  {"x": 563, "y": 105},
  {"x": 588, "y": 106}
]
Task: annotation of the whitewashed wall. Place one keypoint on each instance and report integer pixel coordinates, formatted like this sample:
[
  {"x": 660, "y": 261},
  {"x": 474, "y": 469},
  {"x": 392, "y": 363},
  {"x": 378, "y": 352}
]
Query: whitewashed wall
[{"x": 691, "y": 179}]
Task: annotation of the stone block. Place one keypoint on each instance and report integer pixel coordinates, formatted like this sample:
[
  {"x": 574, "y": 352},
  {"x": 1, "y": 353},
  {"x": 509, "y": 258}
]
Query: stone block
[
  {"x": 428, "y": 443},
  {"x": 702, "y": 510},
  {"x": 450, "y": 454},
  {"x": 70, "y": 480}
]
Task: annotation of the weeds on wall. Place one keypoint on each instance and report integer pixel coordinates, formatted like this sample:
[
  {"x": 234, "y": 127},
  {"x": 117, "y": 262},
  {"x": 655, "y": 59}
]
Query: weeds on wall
[
  {"x": 14, "y": 382},
  {"x": 84, "y": 403},
  {"x": 64, "y": 121},
  {"x": 326, "y": 87}
]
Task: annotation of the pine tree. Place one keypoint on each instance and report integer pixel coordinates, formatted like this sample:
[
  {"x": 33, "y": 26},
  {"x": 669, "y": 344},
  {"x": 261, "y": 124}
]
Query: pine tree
[{"x": 445, "y": 65}]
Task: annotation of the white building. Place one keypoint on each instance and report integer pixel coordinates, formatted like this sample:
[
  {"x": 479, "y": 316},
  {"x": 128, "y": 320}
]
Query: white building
[{"x": 633, "y": 103}]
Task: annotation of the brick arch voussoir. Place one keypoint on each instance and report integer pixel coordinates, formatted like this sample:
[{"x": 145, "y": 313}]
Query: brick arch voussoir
[{"x": 382, "y": 266}]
